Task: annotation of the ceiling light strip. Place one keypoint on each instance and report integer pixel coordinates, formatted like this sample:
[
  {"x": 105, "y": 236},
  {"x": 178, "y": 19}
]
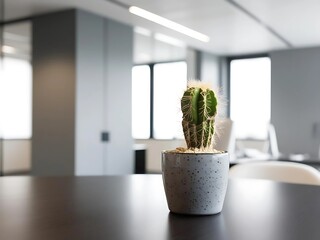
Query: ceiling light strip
[{"x": 168, "y": 23}]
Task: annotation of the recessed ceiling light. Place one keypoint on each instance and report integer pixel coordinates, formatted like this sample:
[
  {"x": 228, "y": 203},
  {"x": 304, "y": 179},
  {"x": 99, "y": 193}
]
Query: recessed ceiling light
[{"x": 168, "y": 23}]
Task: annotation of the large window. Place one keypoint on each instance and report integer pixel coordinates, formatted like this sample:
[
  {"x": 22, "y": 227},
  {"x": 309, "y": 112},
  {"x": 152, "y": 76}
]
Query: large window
[
  {"x": 170, "y": 79},
  {"x": 250, "y": 96},
  {"x": 156, "y": 93},
  {"x": 141, "y": 101}
]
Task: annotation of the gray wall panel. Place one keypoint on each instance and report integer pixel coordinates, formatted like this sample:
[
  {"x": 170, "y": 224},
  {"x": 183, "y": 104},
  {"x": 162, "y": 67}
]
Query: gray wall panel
[
  {"x": 210, "y": 69},
  {"x": 295, "y": 98},
  {"x": 118, "y": 64},
  {"x": 82, "y": 86}
]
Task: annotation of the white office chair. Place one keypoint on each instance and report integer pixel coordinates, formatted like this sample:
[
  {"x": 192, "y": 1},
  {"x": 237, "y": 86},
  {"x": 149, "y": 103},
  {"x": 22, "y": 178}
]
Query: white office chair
[
  {"x": 267, "y": 149},
  {"x": 278, "y": 171},
  {"x": 224, "y": 139},
  {"x": 273, "y": 142}
]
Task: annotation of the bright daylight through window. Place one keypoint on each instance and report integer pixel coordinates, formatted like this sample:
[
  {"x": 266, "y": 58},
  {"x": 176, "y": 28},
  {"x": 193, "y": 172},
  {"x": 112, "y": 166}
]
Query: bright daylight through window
[
  {"x": 168, "y": 81},
  {"x": 15, "y": 99},
  {"x": 250, "y": 96},
  {"x": 141, "y": 102}
]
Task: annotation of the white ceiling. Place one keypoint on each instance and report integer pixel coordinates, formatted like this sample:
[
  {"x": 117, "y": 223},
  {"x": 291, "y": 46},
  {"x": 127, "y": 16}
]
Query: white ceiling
[{"x": 232, "y": 31}]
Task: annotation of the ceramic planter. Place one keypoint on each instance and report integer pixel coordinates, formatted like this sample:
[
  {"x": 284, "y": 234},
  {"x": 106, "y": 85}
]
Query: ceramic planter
[{"x": 195, "y": 183}]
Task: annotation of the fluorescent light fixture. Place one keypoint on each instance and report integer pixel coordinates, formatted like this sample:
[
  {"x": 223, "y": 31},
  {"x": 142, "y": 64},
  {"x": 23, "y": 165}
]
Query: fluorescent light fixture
[
  {"x": 169, "y": 40},
  {"x": 8, "y": 49},
  {"x": 168, "y": 23}
]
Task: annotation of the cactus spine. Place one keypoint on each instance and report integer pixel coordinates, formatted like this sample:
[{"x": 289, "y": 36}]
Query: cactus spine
[{"x": 199, "y": 108}]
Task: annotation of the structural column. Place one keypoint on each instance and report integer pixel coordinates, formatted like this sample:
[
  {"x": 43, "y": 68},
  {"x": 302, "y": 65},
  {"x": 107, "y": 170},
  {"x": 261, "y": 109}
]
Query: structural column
[{"x": 81, "y": 89}]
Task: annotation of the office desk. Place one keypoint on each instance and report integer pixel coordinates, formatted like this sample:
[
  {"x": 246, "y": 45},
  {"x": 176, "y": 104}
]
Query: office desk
[{"x": 134, "y": 208}]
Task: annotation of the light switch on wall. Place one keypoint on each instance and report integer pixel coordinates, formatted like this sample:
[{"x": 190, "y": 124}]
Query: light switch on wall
[{"x": 105, "y": 136}]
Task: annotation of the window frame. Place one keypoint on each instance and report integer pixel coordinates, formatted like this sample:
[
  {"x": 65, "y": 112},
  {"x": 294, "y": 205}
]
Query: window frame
[{"x": 151, "y": 66}]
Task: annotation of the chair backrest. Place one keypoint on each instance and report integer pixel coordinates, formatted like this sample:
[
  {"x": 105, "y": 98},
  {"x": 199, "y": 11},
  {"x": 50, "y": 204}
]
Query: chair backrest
[
  {"x": 278, "y": 171},
  {"x": 273, "y": 143},
  {"x": 224, "y": 138}
]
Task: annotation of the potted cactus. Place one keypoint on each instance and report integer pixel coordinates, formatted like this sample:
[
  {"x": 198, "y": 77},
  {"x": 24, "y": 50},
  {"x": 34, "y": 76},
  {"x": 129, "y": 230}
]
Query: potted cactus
[{"x": 195, "y": 178}]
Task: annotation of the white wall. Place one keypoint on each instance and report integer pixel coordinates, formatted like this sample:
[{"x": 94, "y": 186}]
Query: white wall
[
  {"x": 118, "y": 56},
  {"x": 295, "y": 99},
  {"x": 148, "y": 49},
  {"x": 89, "y": 95},
  {"x": 210, "y": 69},
  {"x": 104, "y": 62}
]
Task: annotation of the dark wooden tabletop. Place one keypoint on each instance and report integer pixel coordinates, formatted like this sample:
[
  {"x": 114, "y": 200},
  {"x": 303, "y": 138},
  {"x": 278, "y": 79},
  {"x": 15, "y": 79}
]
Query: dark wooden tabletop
[{"x": 134, "y": 208}]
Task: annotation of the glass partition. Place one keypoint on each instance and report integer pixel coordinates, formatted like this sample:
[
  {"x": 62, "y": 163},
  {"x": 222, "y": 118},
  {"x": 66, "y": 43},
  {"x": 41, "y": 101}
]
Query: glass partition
[
  {"x": 15, "y": 98},
  {"x": 1, "y": 77}
]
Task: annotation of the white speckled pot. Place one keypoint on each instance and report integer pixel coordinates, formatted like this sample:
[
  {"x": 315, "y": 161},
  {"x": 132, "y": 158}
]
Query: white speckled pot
[{"x": 195, "y": 183}]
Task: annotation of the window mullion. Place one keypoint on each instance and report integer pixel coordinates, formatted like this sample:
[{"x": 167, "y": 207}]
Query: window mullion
[{"x": 151, "y": 99}]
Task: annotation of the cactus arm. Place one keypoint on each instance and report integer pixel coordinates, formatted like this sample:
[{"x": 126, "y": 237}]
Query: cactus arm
[
  {"x": 189, "y": 104},
  {"x": 207, "y": 105},
  {"x": 211, "y": 107}
]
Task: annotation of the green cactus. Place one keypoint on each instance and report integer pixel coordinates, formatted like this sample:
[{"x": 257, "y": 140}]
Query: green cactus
[{"x": 199, "y": 108}]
